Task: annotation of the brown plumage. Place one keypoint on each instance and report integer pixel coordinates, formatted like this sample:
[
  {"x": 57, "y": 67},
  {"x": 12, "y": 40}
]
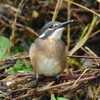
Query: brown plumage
[{"x": 48, "y": 56}]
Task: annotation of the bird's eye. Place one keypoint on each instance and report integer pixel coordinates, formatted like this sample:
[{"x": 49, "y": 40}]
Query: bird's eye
[
  {"x": 55, "y": 25},
  {"x": 51, "y": 26}
]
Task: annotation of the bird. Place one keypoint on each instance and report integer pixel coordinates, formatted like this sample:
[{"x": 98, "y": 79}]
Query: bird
[{"x": 47, "y": 53}]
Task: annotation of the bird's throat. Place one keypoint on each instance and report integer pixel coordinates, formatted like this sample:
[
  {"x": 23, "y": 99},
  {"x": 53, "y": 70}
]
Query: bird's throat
[{"x": 57, "y": 34}]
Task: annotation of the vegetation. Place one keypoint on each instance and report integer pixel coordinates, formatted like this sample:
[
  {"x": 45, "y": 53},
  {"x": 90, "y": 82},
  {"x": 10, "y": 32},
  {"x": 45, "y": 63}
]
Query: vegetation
[{"x": 20, "y": 24}]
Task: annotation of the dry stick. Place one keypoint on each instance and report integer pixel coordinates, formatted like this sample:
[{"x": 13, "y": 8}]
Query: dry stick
[
  {"x": 74, "y": 85},
  {"x": 11, "y": 7},
  {"x": 58, "y": 6},
  {"x": 85, "y": 37},
  {"x": 68, "y": 27},
  {"x": 81, "y": 6},
  {"x": 65, "y": 84},
  {"x": 88, "y": 52},
  {"x": 86, "y": 57},
  {"x": 95, "y": 33},
  {"x": 97, "y": 91},
  {"x": 76, "y": 81},
  {"x": 24, "y": 28},
  {"x": 15, "y": 20},
  {"x": 93, "y": 54}
]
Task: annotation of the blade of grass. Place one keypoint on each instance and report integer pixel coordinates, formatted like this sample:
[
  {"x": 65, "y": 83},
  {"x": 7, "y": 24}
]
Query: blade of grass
[
  {"x": 84, "y": 38},
  {"x": 84, "y": 32},
  {"x": 20, "y": 6},
  {"x": 68, "y": 27},
  {"x": 81, "y": 6},
  {"x": 58, "y": 6}
]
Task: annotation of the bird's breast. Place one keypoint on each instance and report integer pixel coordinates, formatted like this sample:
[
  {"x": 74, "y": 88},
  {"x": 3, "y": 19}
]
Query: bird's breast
[
  {"x": 47, "y": 56},
  {"x": 48, "y": 66}
]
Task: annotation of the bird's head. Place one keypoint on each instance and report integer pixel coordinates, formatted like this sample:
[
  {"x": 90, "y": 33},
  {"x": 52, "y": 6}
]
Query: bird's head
[{"x": 53, "y": 29}]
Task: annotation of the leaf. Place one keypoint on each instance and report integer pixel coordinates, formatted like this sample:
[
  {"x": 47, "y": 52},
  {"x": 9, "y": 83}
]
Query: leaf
[
  {"x": 5, "y": 45},
  {"x": 53, "y": 97},
  {"x": 62, "y": 98},
  {"x": 20, "y": 67}
]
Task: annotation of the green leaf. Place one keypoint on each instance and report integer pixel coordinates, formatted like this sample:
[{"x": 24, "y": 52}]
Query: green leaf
[
  {"x": 62, "y": 98},
  {"x": 20, "y": 67},
  {"x": 5, "y": 45},
  {"x": 53, "y": 97}
]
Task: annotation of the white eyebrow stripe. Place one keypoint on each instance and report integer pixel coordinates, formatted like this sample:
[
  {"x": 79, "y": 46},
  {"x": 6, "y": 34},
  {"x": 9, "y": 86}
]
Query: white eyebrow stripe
[{"x": 42, "y": 35}]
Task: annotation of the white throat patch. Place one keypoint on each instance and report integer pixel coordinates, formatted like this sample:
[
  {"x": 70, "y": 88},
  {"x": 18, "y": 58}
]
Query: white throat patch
[{"x": 57, "y": 33}]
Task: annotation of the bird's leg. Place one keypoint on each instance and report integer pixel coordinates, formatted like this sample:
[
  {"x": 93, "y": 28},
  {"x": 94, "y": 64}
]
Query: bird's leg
[
  {"x": 56, "y": 78},
  {"x": 37, "y": 78}
]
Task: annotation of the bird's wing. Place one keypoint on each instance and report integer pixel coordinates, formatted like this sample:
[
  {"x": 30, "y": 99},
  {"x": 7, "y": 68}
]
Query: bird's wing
[{"x": 32, "y": 55}]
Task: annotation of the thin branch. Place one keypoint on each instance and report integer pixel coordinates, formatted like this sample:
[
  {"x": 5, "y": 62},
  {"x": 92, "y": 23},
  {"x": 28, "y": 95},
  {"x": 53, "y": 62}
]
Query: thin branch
[
  {"x": 68, "y": 27},
  {"x": 58, "y": 6},
  {"x": 81, "y": 6}
]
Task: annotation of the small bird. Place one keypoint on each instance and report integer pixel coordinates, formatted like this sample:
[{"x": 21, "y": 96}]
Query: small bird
[{"x": 47, "y": 53}]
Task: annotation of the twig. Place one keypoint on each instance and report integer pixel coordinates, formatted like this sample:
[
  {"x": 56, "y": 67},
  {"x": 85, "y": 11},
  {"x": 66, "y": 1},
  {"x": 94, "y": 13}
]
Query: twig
[
  {"x": 81, "y": 6},
  {"x": 91, "y": 53},
  {"x": 66, "y": 84},
  {"x": 86, "y": 34},
  {"x": 15, "y": 20},
  {"x": 11, "y": 7},
  {"x": 86, "y": 57},
  {"x": 58, "y": 6},
  {"x": 74, "y": 84},
  {"x": 5, "y": 21},
  {"x": 68, "y": 27}
]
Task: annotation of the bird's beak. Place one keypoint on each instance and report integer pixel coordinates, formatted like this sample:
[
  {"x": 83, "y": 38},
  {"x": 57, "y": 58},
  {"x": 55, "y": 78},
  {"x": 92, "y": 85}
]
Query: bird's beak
[{"x": 63, "y": 24}]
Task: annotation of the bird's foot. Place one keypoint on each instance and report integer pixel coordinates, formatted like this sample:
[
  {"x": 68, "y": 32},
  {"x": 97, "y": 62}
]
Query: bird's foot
[
  {"x": 57, "y": 78},
  {"x": 35, "y": 80}
]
